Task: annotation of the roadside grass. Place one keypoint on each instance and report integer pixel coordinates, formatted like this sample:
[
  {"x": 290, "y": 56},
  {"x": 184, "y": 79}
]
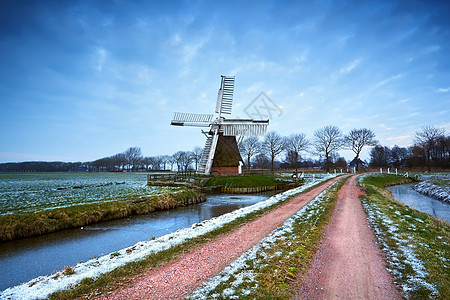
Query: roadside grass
[
  {"x": 244, "y": 181},
  {"x": 27, "y": 224},
  {"x": 123, "y": 276},
  {"x": 416, "y": 244},
  {"x": 268, "y": 270}
]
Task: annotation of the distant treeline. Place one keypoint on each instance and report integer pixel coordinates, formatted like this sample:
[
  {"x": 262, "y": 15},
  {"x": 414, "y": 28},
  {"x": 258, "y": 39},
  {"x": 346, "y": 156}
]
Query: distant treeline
[
  {"x": 43, "y": 166},
  {"x": 430, "y": 150}
]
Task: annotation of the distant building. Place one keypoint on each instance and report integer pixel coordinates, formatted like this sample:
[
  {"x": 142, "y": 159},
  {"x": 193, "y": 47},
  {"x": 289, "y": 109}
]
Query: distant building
[{"x": 361, "y": 164}]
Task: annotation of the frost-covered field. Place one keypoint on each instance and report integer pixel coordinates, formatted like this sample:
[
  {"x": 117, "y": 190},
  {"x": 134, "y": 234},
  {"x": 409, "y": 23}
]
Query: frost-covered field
[
  {"x": 21, "y": 192},
  {"x": 414, "y": 245},
  {"x": 43, "y": 286},
  {"x": 240, "y": 278}
]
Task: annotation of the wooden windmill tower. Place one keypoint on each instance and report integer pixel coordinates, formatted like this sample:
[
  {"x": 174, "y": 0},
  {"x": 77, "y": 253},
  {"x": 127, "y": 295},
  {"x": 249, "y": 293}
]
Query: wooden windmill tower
[{"x": 221, "y": 154}]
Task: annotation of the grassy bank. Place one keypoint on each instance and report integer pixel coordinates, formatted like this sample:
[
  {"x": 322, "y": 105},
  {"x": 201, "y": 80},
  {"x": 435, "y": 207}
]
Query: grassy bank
[
  {"x": 123, "y": 275},
  {"x": 244, "y": 181},
  {"x": 268, "y": 269},
  {"x": 416, "y": 244},
  {"x": 27, "y": 224}
]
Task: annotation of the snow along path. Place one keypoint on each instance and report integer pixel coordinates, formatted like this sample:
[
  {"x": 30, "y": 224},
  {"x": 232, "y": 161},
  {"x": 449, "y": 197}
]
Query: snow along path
[
  {"x": 177, "y": 279},
  {"x": 348, "y": 264},
  {"x": 43, "y": 286}
]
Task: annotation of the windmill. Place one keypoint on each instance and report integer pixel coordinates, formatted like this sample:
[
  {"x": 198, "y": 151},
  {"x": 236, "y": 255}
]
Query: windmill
[{"x": 221, "y": 154}]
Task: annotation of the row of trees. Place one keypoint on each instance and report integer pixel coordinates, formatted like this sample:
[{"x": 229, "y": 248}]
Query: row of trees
[
  {"x": 133, "y": 160},
  {"x": 431, "y": 149},
  {"x": 325, "y": 143}
]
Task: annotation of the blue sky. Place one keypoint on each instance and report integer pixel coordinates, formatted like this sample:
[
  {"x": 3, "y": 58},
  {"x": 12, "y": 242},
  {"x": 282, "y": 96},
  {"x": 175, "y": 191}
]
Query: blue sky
[{"x": 81, "y": 80}]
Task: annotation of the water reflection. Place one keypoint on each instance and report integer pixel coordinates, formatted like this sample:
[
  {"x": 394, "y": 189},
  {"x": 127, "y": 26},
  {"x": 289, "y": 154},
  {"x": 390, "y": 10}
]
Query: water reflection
[
  {"x": 405, "y": 194},
  {"x": 44, "y": 255}
]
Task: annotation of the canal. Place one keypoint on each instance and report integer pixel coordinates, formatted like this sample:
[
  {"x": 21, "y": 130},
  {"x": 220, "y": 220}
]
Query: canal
[
  {"x": 407, "y": 195},
  {"x": 23, "y": 260}
]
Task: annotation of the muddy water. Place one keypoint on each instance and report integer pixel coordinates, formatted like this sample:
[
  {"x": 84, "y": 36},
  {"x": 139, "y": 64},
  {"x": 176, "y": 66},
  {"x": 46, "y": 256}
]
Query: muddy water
[
  {"x": 23, "y": 260},
  {"x": 405, "y": 194}
]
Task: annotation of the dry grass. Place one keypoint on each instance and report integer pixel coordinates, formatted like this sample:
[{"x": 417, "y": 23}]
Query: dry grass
[{"x": 23, "y": 225}]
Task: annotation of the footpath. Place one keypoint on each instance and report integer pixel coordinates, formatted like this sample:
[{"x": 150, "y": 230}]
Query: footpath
[
  {"x": 348, "y": 264},
  {"x": 180, "y": 277}
]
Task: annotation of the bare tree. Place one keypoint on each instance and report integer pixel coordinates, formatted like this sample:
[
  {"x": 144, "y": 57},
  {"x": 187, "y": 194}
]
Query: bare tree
[
  {"x": 296, "y": 143},
  {"x": 273, "y": 145},
  {"x": 398, "y": 156},
  {"x": 380, "y": 156},
  {"x": 133, "y": 156},
  {"x": 357, "y": 139},
  {"x": 261, "y": 161},
  {"x": 178, "y": 158},
  {"x": 147, "y": 161},
  {"x": 249, "y": 147},
  {"x": 187, "y": 159},
  {"x": 327, "y": 140},
  {"x": 166, "y": 159},
  {"x": 427, "y": 138},
  {"x": 196, "y": 156}
]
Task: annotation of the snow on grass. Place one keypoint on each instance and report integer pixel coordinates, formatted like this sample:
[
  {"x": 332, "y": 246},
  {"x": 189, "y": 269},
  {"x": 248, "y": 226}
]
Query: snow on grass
[
  {"x": 435, "y": 191},
  {"x": 33, "y": 192},
  {"x": 43, "y": 286},
  {"x": 240, "y": 277},
  {"x": 403, "y": 260}
]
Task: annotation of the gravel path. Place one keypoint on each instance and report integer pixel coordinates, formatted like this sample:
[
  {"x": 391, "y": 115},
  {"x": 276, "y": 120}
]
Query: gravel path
[
  {"x": 348, "y": 264},
  {"x": 177, "y": 279}
]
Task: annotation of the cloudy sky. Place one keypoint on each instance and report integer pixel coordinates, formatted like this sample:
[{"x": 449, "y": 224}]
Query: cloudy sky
[{"x": 81, "y": 80}]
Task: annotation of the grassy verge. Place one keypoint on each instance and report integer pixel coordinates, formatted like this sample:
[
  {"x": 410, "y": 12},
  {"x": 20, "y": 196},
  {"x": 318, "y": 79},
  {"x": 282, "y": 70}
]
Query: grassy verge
[
  {"x": 442, "y": 182},
  {"x": 27, "y": 224},
  {"x": 268, "y": 269},
  {"x": 416, "y": 244},
  {"x": 244, "y": 181},
  {"x": 123, "y": 275}
]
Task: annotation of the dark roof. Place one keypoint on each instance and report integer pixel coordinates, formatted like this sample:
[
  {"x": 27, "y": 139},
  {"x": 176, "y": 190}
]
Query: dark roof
[{"x": 360, "y": 163}]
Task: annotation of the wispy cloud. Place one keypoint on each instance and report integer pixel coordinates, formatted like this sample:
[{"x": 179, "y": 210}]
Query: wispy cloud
[
  {"x": 398, "y": 139},
  {"x": 101, "y": 58},
  {"x": 443, "y": 90},
  {"x": 387, "y": 80},
  {"x": 431, "y": 49},
  {"x": 385, "y": 127},
  {"x": 348, "y": 68}
]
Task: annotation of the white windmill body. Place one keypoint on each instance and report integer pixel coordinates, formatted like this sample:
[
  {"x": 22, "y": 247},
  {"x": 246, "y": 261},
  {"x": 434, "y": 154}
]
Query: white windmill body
[{"x": 222, "y": 132}]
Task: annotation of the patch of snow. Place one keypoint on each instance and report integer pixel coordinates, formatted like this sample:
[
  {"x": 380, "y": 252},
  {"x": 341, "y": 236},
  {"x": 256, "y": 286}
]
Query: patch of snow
[
  {"x": 404, "y": 253},
  {"x": 256, "y": 254},
  {"x": 43, "y": 286},
  {"x": 434, "y": 191}
]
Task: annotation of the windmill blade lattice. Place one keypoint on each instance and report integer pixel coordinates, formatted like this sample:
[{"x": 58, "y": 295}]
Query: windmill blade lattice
[
  {"x": 221, "y": 131},
  {"x": 244, "y": 129},
  {"x": 225, "y": 96},
  {"x": 181, "y": 119}
]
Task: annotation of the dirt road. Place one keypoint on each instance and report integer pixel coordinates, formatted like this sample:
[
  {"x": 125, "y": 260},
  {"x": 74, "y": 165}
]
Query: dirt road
[
  {"x": 348, "y": 264},
  {"x": 186, "y": 273}
]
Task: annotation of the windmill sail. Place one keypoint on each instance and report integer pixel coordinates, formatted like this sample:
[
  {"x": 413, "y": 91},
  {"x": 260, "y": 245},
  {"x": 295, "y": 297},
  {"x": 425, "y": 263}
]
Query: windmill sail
[
  {"x": 251, "y": 129},
  {"x": 221, "y": 153},
  {"x": 188, "y": 119},
  {"x": 225, "y": 95},
  {"x": 205, "y": 155}
]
